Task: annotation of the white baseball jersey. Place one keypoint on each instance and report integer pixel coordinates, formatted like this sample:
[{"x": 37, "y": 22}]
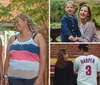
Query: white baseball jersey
[{"x": 87, "y": 68}]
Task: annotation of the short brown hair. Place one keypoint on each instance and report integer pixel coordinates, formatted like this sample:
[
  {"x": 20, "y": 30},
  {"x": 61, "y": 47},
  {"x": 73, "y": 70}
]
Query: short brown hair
[{"x": 70, "y": 2}]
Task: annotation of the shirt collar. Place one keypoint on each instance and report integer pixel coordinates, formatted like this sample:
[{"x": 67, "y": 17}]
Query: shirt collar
[{"x": 69, "y": 17}]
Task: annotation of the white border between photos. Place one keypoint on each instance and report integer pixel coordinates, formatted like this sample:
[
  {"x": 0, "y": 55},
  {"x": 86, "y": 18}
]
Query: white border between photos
[
  {"x": 74, "y": 42},
  {"x": 49, "y": 45}
]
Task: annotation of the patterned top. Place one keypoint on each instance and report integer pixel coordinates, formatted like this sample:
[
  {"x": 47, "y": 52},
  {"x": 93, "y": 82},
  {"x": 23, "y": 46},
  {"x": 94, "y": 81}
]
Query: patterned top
[{"x": 24, "y": 59}]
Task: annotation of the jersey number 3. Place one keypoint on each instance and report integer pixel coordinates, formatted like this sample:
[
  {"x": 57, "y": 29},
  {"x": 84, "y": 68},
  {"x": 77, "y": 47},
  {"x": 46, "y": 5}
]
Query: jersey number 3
[{"x": 88, "y": 70}]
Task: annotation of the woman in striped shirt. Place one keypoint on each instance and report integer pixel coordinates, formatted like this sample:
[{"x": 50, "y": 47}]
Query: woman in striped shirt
[{"x": 26, "y": 54}]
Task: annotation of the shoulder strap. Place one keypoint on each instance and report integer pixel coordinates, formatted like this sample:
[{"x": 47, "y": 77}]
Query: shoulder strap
[
  {"x": 15, "y": 37},
  {"x": 34, "y": 34}
]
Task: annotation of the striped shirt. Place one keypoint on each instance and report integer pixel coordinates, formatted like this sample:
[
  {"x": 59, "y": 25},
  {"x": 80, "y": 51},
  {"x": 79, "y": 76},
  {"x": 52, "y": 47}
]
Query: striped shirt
[{"x": 24, "y": 59}]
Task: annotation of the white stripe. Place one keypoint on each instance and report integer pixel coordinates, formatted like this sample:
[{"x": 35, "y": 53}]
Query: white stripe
[
  {"x": 24, "y": 65},
  {"x": 30, "y": 41}
]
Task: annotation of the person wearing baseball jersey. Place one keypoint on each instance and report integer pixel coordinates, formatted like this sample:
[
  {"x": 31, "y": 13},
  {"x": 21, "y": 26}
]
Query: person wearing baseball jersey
[{"x": 87, "y": 66}]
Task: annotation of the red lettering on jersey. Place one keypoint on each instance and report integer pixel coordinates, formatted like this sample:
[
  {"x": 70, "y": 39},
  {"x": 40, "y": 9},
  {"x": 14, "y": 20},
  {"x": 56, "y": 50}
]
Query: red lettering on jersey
[{"x": 88, "y": 70}]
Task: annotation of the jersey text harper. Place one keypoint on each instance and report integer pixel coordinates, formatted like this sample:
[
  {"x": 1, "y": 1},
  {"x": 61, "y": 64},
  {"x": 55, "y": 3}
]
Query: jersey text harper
[{"x": 87, "y": 60}]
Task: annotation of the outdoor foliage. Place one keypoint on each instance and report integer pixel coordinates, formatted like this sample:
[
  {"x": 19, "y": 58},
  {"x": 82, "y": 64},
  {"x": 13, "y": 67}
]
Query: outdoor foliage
[
  {"x": 37, "y": 9},
  {"x": 57, "y": 10},
  {"x": 96, "y": 14},
  {"x": 55, "y": 25}
]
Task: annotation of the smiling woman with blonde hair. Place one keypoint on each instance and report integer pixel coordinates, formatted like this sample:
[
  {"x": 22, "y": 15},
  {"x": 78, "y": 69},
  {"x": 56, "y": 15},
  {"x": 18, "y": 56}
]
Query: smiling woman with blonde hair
[{"x": 26, "y": 54}]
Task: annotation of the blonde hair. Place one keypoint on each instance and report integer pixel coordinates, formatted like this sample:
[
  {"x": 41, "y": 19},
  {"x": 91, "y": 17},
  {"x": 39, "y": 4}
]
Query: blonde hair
[
  {"x": 31, "y": 24},
  {"x": 70, "y": 2}
]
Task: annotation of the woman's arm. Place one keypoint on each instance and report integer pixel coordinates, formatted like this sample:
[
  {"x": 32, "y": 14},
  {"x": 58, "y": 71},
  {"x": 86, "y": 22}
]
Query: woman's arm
[
  {"x": 6, "y": 65},
  {"x": 7, "y": 58},
  {"x": 1, "y": 65},
  {"x": 88, "y": 33},
  {"x": 95, "y": 37},
  {"x": 43, "y": 56}
]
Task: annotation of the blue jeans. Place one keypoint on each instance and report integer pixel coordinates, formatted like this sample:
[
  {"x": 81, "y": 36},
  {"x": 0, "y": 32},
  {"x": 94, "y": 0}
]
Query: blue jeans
[{"x": 13, "y": 81}]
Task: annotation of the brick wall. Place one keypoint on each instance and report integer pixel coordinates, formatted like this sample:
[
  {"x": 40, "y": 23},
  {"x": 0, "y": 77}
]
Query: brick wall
[{"x": 72, "y": 49}]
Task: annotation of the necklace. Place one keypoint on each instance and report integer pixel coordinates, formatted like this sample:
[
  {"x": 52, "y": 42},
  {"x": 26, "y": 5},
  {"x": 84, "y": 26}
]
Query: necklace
[{"x": 21, "y": 47}]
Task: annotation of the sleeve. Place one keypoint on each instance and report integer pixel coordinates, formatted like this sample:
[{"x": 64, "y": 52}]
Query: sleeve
[
  {"x": 98, "y": 65},
  {"x": 64, "y": 28},
  {"x": 95, "y": 37},
  {"x": 78, "y": 30},
  {"x": 89, "y": 32},
  {"x": 76, "y": 65}
]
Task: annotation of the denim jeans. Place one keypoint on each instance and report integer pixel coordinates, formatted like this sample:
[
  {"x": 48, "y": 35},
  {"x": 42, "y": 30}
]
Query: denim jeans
[{"x": 13, "y": 81}]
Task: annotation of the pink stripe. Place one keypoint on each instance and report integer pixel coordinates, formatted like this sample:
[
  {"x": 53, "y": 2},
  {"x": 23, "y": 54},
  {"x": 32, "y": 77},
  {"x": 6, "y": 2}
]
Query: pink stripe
[{"x": 23, "y": 55}]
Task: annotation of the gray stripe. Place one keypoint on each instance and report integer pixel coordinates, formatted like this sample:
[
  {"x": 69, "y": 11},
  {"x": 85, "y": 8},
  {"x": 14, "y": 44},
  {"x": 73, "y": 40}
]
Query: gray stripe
[{"x": 22, "y": 73}]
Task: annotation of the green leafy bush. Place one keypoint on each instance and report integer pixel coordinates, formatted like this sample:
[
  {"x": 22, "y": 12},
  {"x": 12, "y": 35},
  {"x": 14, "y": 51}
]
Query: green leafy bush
[
  {"x": 55, "y": 25},
  {"x": 56, "y": 10}
]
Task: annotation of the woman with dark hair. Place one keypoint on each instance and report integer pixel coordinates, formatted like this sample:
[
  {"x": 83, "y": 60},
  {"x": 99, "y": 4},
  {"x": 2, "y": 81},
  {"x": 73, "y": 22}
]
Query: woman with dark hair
[
  {"x": 64, "y": 74},
  {"x": 87, "y": 27}
]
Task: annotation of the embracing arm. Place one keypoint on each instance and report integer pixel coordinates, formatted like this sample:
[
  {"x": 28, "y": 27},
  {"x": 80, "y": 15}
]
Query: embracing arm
[
  {"x": 76, "y": 66},
  {"x": 90, "y": 33}
]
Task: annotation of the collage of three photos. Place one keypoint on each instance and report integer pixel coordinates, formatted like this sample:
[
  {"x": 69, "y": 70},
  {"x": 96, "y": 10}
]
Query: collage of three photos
[{"x": 49, "y": 42}]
